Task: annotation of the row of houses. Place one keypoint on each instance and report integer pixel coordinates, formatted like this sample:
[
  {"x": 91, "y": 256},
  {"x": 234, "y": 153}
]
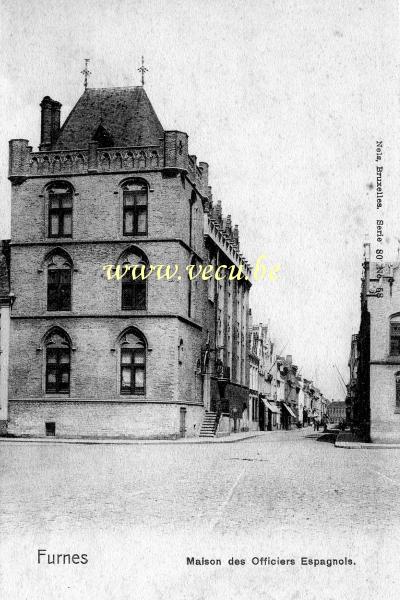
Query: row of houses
[
  {"x": 373, "y": 391},
  {"x": 279, "y": 396},
  {"x": 83, "y": 355}
]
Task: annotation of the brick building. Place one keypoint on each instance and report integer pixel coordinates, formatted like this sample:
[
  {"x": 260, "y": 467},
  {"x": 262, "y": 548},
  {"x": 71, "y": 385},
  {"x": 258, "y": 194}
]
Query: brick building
[{"x": 132, "y": 358}]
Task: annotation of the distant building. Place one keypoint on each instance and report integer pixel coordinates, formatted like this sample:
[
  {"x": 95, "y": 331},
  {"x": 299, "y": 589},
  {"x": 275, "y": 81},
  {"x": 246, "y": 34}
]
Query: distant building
[
  {"x": 265, "y": 412},
  {"x": 376, "y": 399},
  {"x": 336, "y": 411},
  {"x": 290, "y": 404},
  {"x": 353, "y": 363}
]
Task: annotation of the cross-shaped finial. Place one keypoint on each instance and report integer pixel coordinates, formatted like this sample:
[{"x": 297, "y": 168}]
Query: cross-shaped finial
[
  {"x": 142, "y": 70},
  {"x": 86, "y": 73}
]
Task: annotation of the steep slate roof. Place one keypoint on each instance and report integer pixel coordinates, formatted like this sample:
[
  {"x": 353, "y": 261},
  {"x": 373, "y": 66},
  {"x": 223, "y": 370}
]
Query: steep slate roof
[{"x": 125, "y": 113}]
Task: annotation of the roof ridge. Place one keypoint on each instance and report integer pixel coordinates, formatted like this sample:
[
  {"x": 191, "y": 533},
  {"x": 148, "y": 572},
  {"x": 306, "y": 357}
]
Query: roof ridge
[{"x": 118, "y": 87}]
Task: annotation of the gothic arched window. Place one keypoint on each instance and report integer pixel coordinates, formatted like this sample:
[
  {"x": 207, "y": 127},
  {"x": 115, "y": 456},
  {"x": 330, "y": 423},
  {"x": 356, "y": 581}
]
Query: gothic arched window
[
  {"x": 135, "y": 195},
  {"x": 57, "y": 349},
  {"x": 134, "y": 287},
  {"x": 60, "y": 209},
  {"x": 395, "y": 335},
  {"x": 59, "y": 281},
  {"x": 132, "y": 363},
  {"x": 397, "y": 377}
]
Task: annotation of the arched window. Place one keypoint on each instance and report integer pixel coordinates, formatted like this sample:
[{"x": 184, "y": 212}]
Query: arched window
[
  {"x": 132, "y": 362},
  {"x": 59, "y": 281},
  {"x": 135, "y": 208},
  {"x": 134, "y": 287},
  {"x": 395, "y": 335},
  {"x": 57, "y": 348},
  {"x": 397, "y": 377},
  {"x": 60, "y": 209}
]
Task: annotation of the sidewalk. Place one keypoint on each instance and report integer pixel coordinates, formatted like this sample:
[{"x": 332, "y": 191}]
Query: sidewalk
[
  {"x": 347, "y": 440},
  {"x": 227, "y": 439}
]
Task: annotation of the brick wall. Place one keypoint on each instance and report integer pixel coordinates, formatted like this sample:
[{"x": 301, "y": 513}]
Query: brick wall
[{"x": 106, "y": 419}]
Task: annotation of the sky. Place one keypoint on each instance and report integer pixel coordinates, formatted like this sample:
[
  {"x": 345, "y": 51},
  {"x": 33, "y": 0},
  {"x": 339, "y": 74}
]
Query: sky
[{"x": 284, "y": 99}]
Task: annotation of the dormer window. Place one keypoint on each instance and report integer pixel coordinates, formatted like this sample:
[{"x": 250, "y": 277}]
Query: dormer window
[
  {"x": 103, "y": 137},
  {"x": 60, "y": 210}
]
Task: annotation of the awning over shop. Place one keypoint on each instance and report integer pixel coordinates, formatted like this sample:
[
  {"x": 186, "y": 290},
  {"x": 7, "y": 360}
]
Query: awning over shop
[
  {"x": 271, "y": 406},
  {"x": 291, "y": 413},
  {"x": 274, "y": 408}
]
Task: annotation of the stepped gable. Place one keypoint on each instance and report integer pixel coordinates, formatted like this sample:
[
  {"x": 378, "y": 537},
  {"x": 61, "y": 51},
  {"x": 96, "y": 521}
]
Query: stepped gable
[{"x": 123, "y": 115}]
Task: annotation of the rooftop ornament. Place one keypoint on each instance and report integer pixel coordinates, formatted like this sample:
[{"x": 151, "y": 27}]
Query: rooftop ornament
[{"x": 86, "y": 73}]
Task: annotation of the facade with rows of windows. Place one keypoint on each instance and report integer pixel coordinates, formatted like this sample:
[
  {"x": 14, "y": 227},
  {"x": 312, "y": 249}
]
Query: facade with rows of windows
[
  {"x": 88, "y": 354},
  {"x": 375, "y": 394}
]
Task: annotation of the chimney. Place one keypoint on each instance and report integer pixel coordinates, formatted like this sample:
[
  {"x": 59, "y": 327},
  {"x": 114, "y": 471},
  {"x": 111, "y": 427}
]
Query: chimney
[
  {"x": 228, "y": 225},
  {"x": 55, "y": 120},
  {"x": 50, "y": 123},
  {"x": 235, "y": 234},
  {"x": 218, "y": 211}
]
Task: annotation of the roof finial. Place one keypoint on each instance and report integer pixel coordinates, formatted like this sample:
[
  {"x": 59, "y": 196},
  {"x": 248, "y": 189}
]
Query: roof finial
[
  {"x": 86, "y": 73},
  {"x": 142, "y": 70}
]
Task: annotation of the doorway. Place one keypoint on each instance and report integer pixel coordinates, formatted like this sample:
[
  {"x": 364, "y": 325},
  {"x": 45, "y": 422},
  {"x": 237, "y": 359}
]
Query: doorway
[{"x": 261, "y": 415}]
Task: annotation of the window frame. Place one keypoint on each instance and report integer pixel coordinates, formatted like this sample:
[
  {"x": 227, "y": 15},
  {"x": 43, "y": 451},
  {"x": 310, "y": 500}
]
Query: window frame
[
  {"x": 59, "y": 307},
  {"x": 59, "y": 369},
  {"x": 135, "y": 209},
  {"x": 133, "y": 284},
  {"x": 397, "y": 391},
  {"x": 61, "y": 211},
  {"x": 395, "y": 322},
  {"x": 57, "y": 341},
  {"x": 134, "y": 367}
]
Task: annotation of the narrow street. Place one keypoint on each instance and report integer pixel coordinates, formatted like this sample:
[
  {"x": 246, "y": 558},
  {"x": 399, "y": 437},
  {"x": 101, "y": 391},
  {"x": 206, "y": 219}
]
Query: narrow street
[{"x": 244, "y": 499}]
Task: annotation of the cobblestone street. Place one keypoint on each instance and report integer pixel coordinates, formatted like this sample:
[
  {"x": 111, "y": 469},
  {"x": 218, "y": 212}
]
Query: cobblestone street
[{"x": 267, "y": 489}]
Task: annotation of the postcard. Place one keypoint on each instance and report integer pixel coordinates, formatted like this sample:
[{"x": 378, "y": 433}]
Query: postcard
[{"x": 199, "y": 300}]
